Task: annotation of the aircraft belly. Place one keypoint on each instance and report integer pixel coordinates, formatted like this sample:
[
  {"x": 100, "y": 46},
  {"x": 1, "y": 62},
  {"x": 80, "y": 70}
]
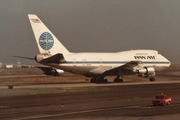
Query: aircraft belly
[{"x": 73, "y": 69}]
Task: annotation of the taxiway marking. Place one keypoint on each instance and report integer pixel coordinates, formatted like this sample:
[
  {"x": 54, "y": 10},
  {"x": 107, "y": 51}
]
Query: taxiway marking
[
  {"x": 86, "y": 84},
  {"x": 79, "y": 112}
]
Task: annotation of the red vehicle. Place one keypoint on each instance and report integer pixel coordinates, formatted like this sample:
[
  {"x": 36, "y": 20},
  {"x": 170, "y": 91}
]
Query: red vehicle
[{"x": 161, "y": 99}]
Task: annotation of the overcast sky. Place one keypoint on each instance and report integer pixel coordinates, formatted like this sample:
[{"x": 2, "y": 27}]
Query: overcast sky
[{"x": 92, "y": 26}]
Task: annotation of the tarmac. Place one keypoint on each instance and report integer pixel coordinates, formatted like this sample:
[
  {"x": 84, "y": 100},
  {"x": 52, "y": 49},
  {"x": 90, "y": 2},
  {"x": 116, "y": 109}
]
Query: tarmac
[{"x": 90, "y": 101}]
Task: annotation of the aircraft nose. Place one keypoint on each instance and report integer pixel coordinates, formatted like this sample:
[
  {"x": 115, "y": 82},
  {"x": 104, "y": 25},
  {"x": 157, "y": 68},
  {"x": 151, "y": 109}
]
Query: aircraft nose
[{"x": 168, "y": 62}]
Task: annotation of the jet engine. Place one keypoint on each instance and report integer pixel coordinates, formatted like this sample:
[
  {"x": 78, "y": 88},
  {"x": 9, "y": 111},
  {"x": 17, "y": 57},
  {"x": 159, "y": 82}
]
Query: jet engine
[
  {"x": 51, "y": 71},
  {"x": 54, "y": 72},
  {"x": 58, "y": 72},
  {"x": 146, "y": 71}
]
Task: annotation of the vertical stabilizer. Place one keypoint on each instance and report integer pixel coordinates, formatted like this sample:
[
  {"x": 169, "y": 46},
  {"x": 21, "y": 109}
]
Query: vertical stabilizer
[{"x": 46, "y": 41}]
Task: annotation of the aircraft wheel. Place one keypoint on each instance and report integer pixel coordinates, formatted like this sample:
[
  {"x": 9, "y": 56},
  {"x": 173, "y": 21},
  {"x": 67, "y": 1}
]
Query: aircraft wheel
[
  {"x": 93, "y": 80},
  {"x": 105, "y": 80},
  {"x": 102, "y": 81},
  {"x": 120, "y": 80},
  {"x": 116, "y": 80},
  {"x": 152, "y": 79}
]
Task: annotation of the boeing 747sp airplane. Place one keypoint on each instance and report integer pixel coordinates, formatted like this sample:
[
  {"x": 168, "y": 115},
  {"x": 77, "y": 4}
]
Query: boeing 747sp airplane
[{"x": 143, "y": 63}]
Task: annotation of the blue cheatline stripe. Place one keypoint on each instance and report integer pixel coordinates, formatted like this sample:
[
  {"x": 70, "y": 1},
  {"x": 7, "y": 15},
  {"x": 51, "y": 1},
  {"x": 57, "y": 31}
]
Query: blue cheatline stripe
[{"x": 111, "y": 62}]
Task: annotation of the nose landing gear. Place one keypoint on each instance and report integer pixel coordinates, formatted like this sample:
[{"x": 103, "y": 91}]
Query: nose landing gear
[{"x": 152, "y": 79}]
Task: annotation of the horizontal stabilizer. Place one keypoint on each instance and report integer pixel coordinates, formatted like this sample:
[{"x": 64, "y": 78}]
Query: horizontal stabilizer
[
  {"x": 28, "y": 58},
  {"x": 57, "y": 58}
]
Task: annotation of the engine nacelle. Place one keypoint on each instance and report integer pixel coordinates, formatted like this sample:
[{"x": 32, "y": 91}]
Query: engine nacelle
[
  {"x": 51, "y": 71},
  {"x": 58, "y": 72},
  {"x": 54, "y": 72},
  {"x": 146, "y": 71}
]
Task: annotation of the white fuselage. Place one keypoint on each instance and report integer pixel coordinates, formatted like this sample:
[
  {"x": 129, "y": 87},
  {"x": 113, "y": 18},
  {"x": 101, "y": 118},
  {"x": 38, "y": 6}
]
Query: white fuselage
[{"x": 82, "y": 63}]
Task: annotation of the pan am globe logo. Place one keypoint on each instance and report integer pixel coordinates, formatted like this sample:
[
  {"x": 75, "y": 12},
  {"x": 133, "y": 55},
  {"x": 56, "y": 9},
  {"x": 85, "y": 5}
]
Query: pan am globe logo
[{"x": 46, "y": 41}]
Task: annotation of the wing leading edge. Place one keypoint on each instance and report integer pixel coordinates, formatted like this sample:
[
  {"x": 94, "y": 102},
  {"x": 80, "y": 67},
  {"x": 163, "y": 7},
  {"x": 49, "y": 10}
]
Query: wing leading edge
[{"x": 129, "y": 66}]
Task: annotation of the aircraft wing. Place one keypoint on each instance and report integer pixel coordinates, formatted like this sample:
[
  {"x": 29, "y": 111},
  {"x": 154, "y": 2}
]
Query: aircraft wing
[
  {"x": 29, "y": 58},
  {"x": 128, "y": 67}
]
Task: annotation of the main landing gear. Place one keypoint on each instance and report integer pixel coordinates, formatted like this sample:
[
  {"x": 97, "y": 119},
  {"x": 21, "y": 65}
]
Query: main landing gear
[
  {"x": 99, "y": 80},
  {"x": 117, "y": 79}
]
